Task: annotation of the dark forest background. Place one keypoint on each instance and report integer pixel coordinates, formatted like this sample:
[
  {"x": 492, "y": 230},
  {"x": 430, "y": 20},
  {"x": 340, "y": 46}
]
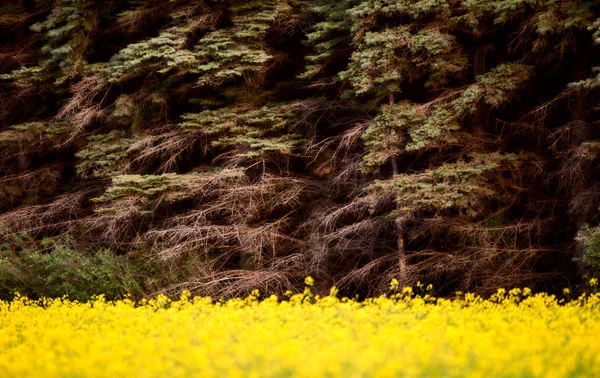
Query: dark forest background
[{"x": 220, "y": 146}]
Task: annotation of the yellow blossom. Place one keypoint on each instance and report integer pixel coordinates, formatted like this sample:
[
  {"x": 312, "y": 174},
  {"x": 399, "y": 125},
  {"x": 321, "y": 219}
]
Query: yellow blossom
[{"x": 513, "y": 333}]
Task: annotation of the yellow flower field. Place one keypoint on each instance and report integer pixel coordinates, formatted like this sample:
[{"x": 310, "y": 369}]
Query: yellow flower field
[{"x": 512, "y": 334}]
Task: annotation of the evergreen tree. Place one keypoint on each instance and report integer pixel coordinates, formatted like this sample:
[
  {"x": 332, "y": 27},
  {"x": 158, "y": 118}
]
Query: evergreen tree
[{"x": 252, "y": 143}]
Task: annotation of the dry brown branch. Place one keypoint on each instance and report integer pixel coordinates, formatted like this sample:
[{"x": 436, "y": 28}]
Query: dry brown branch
[
  {"x": 540, "y": 113},
  {"x": 168, "y": 148},
  {"x": 360, "y": 237},
  {"x": 81, "y": 108},
  {"x": 369, "y": 276},
  {"x": 328, "y": 218},
  {"x": 115, "y": 227},
  {"x": 59, "y": 215},
  {"x": 235, "y": 283}
]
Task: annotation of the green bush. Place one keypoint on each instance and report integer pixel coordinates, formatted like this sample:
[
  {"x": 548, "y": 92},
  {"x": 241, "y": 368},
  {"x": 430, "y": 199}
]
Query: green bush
[
  {"x": 54, "y": 269},
  {"x": 590, "y": 237}
]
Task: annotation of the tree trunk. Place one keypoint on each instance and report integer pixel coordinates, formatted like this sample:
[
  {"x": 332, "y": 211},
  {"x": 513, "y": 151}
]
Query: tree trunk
[
  {"x": 400, "y": 233},
  {"x": 399, "y": 224}
]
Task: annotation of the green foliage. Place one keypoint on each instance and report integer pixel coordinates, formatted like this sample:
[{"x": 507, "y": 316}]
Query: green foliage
[
  {"x": 227, "y": 54},
  {"x": 142, "y": 192},
  {"x": 26, "y": 132},
  {"x": 592, "y": 82},
  {"x": 32, "y": 133},
  {"x": 163, "y": 53},
  {"x": 458, "y": 186},
  {"x": 367, "y": 11},
  {"x": 385, "y": 60},
  {"x": 385, "y": 136},
  {"x": 223, "y": 58},
  {"x": 67, "y": 28},
  {"x": 590, "y": 237},
  {"x": 144, "y": 186},
  {"x": 54, "y": 269},
  {"x": 406, "y": 127},
  {"x": 104, "y": 156},
  {"x": 500, "y": 85},
  {"x": 254, "y": 133},
  {"x": 219, "y": 56},
  {"x": 327, "y": 35}
]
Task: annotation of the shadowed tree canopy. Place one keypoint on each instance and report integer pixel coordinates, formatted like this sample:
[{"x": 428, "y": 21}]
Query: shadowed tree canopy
[{"x": 248, "y": 144}]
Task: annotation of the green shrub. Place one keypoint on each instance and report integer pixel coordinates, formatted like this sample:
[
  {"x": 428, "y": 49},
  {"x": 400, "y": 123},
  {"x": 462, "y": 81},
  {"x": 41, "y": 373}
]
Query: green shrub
[
  {"x": 54, "y": 269},
  {"x": 590, "y": 237}
]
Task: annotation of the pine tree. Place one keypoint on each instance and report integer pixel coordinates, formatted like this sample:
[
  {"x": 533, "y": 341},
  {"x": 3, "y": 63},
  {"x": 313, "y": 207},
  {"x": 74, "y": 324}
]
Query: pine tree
[{"x": 243, "y": 144}]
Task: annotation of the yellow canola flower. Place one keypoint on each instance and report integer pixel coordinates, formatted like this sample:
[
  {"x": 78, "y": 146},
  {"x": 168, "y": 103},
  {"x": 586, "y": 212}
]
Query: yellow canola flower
[
  {"x": 309, "y": 281},
  {"x": 513, "y": 334}
]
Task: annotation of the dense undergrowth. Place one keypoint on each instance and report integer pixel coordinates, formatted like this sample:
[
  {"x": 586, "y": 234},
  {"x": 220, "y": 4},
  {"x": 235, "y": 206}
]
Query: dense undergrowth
[{"x": 56, "y": 269}]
